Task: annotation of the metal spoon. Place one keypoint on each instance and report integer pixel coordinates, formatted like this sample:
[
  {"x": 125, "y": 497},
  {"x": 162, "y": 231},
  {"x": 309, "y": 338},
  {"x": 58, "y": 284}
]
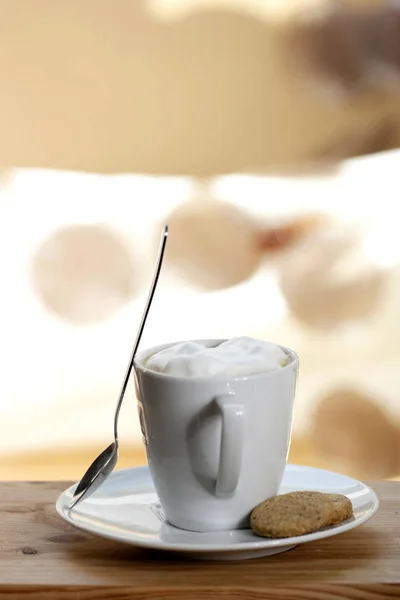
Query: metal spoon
[{"x": 104, "y": 464}]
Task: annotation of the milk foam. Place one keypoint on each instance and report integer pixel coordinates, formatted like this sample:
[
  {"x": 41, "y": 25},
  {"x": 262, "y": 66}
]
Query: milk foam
[{"x": 236, "y": 357}]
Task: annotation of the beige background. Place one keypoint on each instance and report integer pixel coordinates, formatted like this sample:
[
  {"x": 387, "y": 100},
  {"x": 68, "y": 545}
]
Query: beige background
[
  {"x": 109, "y": 86},
  {"x": 117, "y": 86}
]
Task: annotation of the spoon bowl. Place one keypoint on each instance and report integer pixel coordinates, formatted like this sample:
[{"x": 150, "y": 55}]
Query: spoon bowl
[{"x": 98, "y": 471}]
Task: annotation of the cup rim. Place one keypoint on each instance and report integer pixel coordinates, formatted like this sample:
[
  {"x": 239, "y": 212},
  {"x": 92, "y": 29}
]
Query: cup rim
[{"x": 143, "y": 354}]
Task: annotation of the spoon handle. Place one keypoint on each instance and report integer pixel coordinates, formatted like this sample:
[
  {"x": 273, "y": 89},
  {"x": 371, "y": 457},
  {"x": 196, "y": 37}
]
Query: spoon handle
[{"x": 160, "y": 257}]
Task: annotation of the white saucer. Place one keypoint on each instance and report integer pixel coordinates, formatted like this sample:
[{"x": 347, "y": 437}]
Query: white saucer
[{"x": 126, "y": 509}]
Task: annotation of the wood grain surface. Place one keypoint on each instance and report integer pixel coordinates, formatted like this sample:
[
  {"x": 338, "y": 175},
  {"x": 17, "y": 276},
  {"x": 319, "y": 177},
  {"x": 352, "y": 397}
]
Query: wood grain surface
[{"x": 42, "y": 557}]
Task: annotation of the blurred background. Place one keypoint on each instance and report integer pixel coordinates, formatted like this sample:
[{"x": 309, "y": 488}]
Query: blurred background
[{"x": 266, "y": 134}]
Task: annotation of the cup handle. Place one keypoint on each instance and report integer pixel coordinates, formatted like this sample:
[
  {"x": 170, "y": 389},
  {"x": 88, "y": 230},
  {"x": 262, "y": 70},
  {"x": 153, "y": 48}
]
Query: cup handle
[{"x": 232, "y": 443}]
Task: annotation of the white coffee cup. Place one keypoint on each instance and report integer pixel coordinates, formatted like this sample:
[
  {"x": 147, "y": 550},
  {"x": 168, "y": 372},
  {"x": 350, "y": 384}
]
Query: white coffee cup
[{"x": 215, "y": 447}]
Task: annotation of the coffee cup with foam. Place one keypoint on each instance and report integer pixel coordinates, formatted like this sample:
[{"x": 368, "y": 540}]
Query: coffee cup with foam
[{"x": 216, "y": 418}]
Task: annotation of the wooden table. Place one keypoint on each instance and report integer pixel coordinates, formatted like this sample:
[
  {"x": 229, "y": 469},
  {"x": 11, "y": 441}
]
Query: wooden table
[{"x": 41, "y": 557}]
